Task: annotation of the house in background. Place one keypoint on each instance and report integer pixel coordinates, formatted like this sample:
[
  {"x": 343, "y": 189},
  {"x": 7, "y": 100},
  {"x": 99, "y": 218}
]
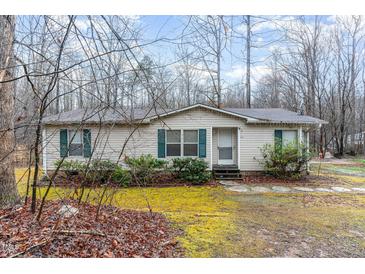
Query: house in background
[
  {"x": 355, "y": 143},
  {"x": 228, "y": 137}
]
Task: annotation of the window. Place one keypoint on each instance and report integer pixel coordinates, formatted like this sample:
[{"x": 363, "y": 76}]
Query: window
[
  {"x": 76, "y": 145},
  {"x": 289, "y": 137},
  {"x": 305, "y": 138},
  {"x": 182, "y": 143},
  {"x": 173, "y": 143},
  {"x": 190, "y": 143},
  {"x": 305, "y": 142}
]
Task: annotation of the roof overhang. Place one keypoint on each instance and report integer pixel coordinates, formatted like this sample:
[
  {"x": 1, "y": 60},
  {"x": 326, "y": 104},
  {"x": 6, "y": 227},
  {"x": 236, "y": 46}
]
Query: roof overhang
[
  {"x": 307, "y": 124},
  {"x": 248, "y": 118},
  {"x": 146, "y": 120},
  {"x": 122, "y": 123}
]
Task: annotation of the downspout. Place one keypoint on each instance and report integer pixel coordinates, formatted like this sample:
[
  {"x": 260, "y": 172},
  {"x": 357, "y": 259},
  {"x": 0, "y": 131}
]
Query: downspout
[
  {"x": 307, "y": 148},
  {"x": 239, "y": 148},
  {"x": 211, "y": 149},
  {"x": 44, "y": 149}
]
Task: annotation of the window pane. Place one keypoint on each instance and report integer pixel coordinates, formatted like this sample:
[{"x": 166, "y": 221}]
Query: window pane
[
  {"x": 75, "y": 150},
  {"x": 75, "y": 139},
  {"x": 225, "y": 153},
  {"x": 190, "y": 150},
  {"x": 305, "y": 138},
  {"x": 173, "y": 136},
  {"x": 190, "y": 136},
  {"x": 289, "y": 137},
  {"x": 173, "y": 150}
]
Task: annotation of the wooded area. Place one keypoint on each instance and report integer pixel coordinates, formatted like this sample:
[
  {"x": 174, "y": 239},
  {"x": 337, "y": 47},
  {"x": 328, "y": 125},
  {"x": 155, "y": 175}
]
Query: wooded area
[
  {"x": 148, "y": 206},
  {"x": 51, "y": 64}
]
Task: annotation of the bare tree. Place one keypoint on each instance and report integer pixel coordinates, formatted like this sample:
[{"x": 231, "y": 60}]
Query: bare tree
[
  {"x": 209, "y": 39},
  {"x": 8, "y": 189},
  {"x": 248, "y": 61}
]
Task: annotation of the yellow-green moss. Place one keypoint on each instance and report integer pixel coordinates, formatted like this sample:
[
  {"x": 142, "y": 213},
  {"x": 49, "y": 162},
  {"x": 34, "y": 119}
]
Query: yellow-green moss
[
  {"x": 349, "y": 180},
  {"x": 286, "y": 213},
  {"x": 203, "y": 214},
  {"x": 219, "y": 223}
]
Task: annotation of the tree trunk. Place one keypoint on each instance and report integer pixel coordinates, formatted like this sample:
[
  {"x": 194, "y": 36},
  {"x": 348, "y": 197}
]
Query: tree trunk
[
  {"x": 8, "y": 189},
  {"x": 58, "y": 110},
  {"x": 219, "y": 90},
  {"x": 363, "y": 135},
  {"x": 248, "y": 63}
]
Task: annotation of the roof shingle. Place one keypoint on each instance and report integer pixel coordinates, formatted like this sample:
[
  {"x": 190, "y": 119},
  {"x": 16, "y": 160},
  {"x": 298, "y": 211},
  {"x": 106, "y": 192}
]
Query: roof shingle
[{"x": 126, "y": 115}]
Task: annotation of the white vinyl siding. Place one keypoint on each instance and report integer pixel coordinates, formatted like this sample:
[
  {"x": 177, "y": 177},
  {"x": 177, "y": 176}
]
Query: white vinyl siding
[{"x": 144, "y": 140}]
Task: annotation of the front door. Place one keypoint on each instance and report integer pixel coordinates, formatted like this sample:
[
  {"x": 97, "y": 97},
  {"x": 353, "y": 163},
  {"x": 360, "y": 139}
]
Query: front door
[{"x": 225, "y": 148}]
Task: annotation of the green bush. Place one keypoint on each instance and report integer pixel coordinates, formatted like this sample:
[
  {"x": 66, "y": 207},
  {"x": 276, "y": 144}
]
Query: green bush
[
  {"x": 289, "y": 161},
  {"x": 142, "y": 168},
  {"x": 192, "y": 170},
  {"x": 121, "y": 176},
  {"x": 71, "y": 167},
  {"x": 101, "y": 170},
  {"x": 98, "y": 170}
]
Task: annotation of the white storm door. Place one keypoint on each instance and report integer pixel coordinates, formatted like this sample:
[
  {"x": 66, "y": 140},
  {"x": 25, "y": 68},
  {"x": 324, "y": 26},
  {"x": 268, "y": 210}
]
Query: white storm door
[{"x": 225, "y": 147}]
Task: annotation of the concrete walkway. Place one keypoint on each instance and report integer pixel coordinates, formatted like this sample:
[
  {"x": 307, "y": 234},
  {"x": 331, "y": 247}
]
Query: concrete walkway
[{"x": 234, "y": 186}]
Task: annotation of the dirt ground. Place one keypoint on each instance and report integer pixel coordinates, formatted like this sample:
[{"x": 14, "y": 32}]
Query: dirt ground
[
  {"x": 300, "y": 225},
  {"x": 305, "y": 224}
]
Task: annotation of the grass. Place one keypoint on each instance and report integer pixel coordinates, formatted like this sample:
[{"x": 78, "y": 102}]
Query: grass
[
  {"x": 348, "y": 175},
  {"x": 203, "y": 214},
  {"x": 219, "y": 223},
  {"x": 307, "y": 225},
  {"x": 357, "y": 168},
  {"x": 362, "y": 161}
]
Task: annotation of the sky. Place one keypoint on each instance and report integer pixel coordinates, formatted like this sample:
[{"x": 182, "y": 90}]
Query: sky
[
  {"x": 264, "y": 35},
  {"x": 265, "y": 38}
]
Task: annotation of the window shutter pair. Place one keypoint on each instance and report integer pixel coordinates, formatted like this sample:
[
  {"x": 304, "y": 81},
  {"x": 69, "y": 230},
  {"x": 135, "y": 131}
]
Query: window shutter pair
[
  {"x": 161, "y": 143},
  {"x": 278, "y": 139},
  {"x": 64, "y": 143}
]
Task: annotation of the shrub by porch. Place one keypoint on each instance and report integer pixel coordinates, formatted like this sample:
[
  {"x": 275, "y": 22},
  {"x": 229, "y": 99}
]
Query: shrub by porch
[{"x": 140, "y": 171}]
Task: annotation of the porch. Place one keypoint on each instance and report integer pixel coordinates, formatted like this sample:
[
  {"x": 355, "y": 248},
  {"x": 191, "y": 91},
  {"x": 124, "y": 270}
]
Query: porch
[{"x": 226, "y": 172}]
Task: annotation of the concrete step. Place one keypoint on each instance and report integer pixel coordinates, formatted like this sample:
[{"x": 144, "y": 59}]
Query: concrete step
[{"x": 228, "y": 176}]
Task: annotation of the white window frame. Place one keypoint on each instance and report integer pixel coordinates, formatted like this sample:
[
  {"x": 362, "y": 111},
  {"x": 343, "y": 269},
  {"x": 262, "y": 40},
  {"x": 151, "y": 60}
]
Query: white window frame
[
  {"x": 226, "y": 161},
  {"x": 166, "y": 143},
  {"x": 190, "y": 143},
  {"x": 69, "y": 137},
  {"x": 182, "y": 142}
]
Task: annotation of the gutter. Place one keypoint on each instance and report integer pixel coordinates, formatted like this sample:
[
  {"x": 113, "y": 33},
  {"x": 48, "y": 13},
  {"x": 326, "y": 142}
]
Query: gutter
[
  {"x": 71, "y": 123},
  {"x": 266, "y": 122}
]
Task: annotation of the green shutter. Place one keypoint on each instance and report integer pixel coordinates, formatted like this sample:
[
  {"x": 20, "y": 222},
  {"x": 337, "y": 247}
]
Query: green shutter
[
  {"x": 202, "y": 143},
  {"x": 87, "y": 143},
  {"x": 63, "y": 143},
  {"x": 278, "y": 139},
  {"x": 161, "y": 143}
]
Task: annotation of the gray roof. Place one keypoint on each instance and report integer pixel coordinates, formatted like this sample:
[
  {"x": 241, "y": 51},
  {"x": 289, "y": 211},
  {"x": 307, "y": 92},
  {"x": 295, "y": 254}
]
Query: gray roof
[
  {"x": 123, "y": 116},
  {"x": 106, "y": 115},
  {"x": 276, "y": 115}
]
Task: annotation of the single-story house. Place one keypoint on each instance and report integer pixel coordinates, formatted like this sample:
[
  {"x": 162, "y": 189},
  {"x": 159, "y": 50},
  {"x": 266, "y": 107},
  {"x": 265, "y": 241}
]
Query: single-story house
[{"x": 220, "y": 136}]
